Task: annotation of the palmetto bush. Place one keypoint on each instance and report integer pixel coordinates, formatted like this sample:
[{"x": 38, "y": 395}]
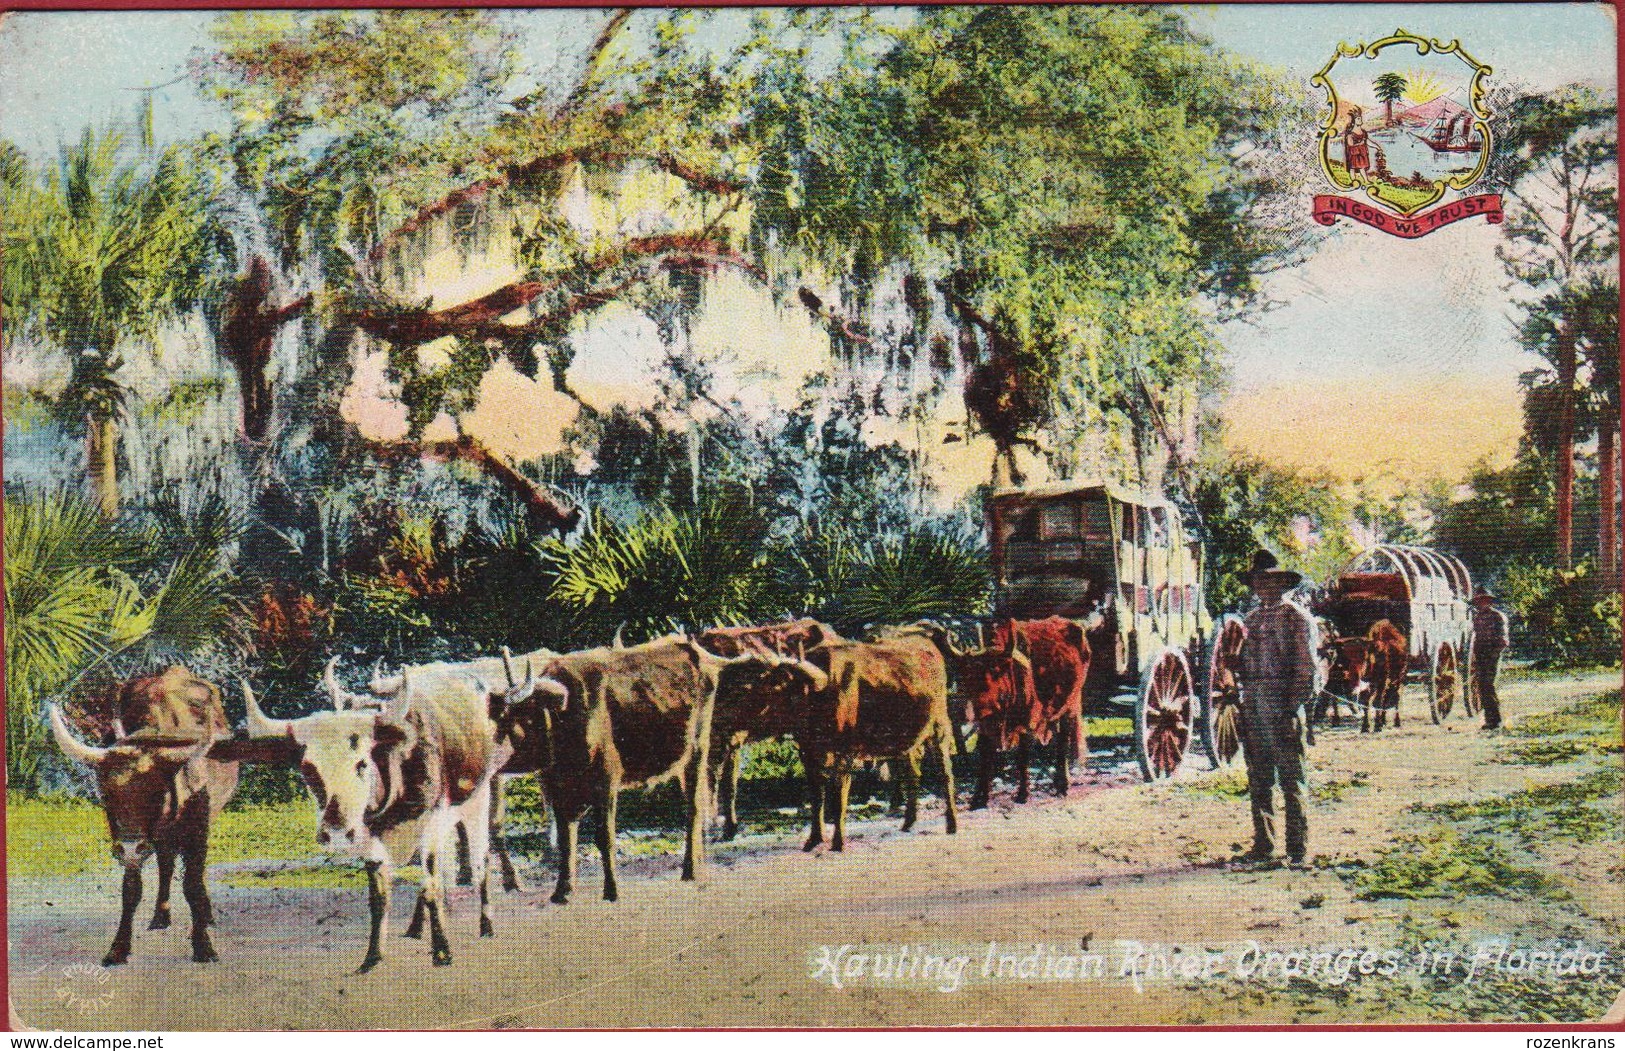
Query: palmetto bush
[
  {"x": 83, "y": 595},
  {"x": 665, "y": 571},
  {"x": 902, "y": 578}
]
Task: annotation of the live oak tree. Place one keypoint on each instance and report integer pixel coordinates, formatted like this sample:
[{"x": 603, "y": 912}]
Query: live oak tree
[{"x": 1056, "y": 191}]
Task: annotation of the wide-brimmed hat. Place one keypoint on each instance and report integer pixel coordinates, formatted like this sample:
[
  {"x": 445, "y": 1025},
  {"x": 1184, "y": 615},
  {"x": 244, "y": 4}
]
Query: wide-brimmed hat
[{"x": 1265, "y": 570}]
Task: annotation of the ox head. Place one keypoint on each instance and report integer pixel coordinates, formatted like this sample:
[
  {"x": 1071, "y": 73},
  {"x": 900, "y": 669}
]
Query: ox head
[
  {"x": 996, "y": 683},
  {"x": 524, "y": 711},
  {"x": 766, "y": 691},
  {"x": 1347, "y": 663},
  {"x": 143, "y": 782},
  {"x": 350, "y": 760}
]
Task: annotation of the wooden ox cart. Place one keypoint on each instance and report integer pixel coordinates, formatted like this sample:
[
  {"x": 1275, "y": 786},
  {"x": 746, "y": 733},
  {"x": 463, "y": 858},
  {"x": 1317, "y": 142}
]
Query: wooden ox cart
[
  {"x": 1076, "y": 549},
  {"x": 1427, "y": 595}
]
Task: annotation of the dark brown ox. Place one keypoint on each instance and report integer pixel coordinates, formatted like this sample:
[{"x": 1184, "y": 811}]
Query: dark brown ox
[
  {"x": 393, "y": 782},
  {"x": 1370, "y": 671},
  {"x": 598, "y": 720},
  {"x": 758, "y": 713},
  {"x": 160, "y": 791}
]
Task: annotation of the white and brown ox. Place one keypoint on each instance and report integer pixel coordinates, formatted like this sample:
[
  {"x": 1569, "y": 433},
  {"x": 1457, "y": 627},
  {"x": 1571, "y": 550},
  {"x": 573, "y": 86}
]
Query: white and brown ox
[
  {"x": 513, "y": 760},
  {"x": 392, "y": 782},
  {"x": 160, "y": 791}
]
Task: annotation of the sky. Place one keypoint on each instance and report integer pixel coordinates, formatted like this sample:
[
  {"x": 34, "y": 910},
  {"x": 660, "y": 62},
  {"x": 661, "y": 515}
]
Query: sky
[{"x": 1427, "y": 321}]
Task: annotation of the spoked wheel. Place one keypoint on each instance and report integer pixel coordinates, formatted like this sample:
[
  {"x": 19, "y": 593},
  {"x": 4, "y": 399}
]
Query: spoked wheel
[
  {"x": 1471, "y": 706},
  {"x": 1444, "y": 682},
  {"x": 1221, "y": 715},
  {"x": 1165, "y": 714}
]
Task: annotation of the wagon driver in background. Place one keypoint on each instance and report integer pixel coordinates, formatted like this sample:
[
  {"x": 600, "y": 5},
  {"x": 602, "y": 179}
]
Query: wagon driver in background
[
  {"x": 1490, "y": 632},
  {"x": 1277, "y": 681}
]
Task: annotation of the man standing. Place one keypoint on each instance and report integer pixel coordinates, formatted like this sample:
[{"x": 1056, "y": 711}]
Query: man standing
[
  {"x": 1490, "y": 633},
  {"x": 1277, "y": 680}
]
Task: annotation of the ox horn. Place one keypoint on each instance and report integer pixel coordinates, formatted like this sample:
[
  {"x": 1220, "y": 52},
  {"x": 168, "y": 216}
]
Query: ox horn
[
  {"x": 184, "y": 754},
  {"x": 71, "y": 746},
  {"x": 981, "y": 636},
  {"x": 118, "y": 729},
  {"x": 619, "y": 643},
  {"x": 381, "y": 686},
  {"x": 260, "y": 724},
  {"x": 330, "y": 680},
  {"x": 395, "y": 710},
  {"x": 507, "y": 666}
]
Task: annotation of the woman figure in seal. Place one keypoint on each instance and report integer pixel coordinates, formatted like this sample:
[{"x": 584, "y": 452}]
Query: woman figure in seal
[{"x": 1356, "y": 151}]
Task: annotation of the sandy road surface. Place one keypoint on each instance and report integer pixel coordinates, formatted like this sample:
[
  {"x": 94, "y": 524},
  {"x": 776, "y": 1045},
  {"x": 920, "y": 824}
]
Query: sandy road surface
[{"x": 1115, "y": 863}]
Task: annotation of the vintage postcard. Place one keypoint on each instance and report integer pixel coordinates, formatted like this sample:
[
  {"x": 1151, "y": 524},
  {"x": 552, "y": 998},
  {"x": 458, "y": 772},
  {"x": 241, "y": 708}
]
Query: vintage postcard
[{"x": 1019, "y": 516}]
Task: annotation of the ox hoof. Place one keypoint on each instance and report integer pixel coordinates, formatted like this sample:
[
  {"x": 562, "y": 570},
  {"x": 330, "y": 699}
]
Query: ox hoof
[
  {"x": 442, "y": 957},
  {"x": 205, "y": 954},
  {"x": 509, "y": 884},
  {"x": 368, "y": 964},
  {"x": 415, "y": 933},
  {"x": 486, "y": 930},
  {"x": 160, "y": 921},
  {"x": 114, "y": 959},
  {"x": 978, "y": 803},
  {"x": 728, "y": 835},
  {"x": 611, "y": 894},
  {"x": 560, "y": 897},
  {"x": 812, "y": 845}
]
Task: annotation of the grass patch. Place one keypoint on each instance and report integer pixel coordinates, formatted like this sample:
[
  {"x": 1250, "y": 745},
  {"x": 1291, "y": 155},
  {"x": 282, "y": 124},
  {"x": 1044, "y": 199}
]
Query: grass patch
[
  {"x": 301, "y": 877},
  {"x": 1589, "y": 728},
  {"x": 1582, "y": 810},
  {"x": 1108, "y": 726},
  {"x": 1440, "y": 863},
  {"x": 1598, "y": 715},
  {"x": 68, "y": 837}
]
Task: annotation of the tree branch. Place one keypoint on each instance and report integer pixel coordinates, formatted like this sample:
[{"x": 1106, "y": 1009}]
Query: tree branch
[{"x": 549, "y": 511}]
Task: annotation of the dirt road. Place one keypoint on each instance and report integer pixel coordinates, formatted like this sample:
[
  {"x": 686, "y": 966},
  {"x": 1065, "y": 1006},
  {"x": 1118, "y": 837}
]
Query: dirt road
[{"x": 1061, "y": 912}]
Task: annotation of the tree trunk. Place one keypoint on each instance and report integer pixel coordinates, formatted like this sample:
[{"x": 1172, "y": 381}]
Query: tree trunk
[
  {"x": 1608, "y": 476},
  {"x": 101, "y": 463},
  {"x": 1566, "y": 367}
]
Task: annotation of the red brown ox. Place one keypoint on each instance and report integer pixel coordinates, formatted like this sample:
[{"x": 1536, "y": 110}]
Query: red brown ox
[
  {"x": 599, "y": 720},
  {"x": 160, "y": 791},
  {"x": 1026, "y": 688},
  {"x": 395, "y": 782},
  {"x": 1370, "y": 671},
  {"x": 753, "y": 714},
  {"x": 860, "y": 701}
]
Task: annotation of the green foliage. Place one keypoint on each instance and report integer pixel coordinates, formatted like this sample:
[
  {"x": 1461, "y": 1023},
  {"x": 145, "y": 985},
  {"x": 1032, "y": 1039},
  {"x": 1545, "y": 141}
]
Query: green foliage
[
  {"x": 901, "y": 579},
  {"x": 1442, "y": 863},
  {"x": 1559, "y": 617},
  {"x": 1246, "y": 504},
  {"x": 663, "y": 572},
  {"x": 1055, "y": 180},
  {"x": 1507, "y": 513},
  {"x": 102, "y": 249},
  {"x": 79, "y": 592}
]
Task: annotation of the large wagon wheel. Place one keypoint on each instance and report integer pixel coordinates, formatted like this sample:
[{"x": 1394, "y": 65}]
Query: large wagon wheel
[
  {"x": 1221, "y": 716},
  {"x": 1165, "y": 714},
  {"x": 1471, "y": 705},
  {"x": 1444, "y": 682}
]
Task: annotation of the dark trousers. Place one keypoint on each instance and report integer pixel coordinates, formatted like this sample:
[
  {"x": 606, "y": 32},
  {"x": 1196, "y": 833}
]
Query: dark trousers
[
  {"x": 1486, "y": 667},
  {"x": 1271, "y": 758}
]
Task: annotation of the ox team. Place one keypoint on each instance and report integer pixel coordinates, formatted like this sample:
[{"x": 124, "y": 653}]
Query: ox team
[{"x": 395, "y": 771}]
